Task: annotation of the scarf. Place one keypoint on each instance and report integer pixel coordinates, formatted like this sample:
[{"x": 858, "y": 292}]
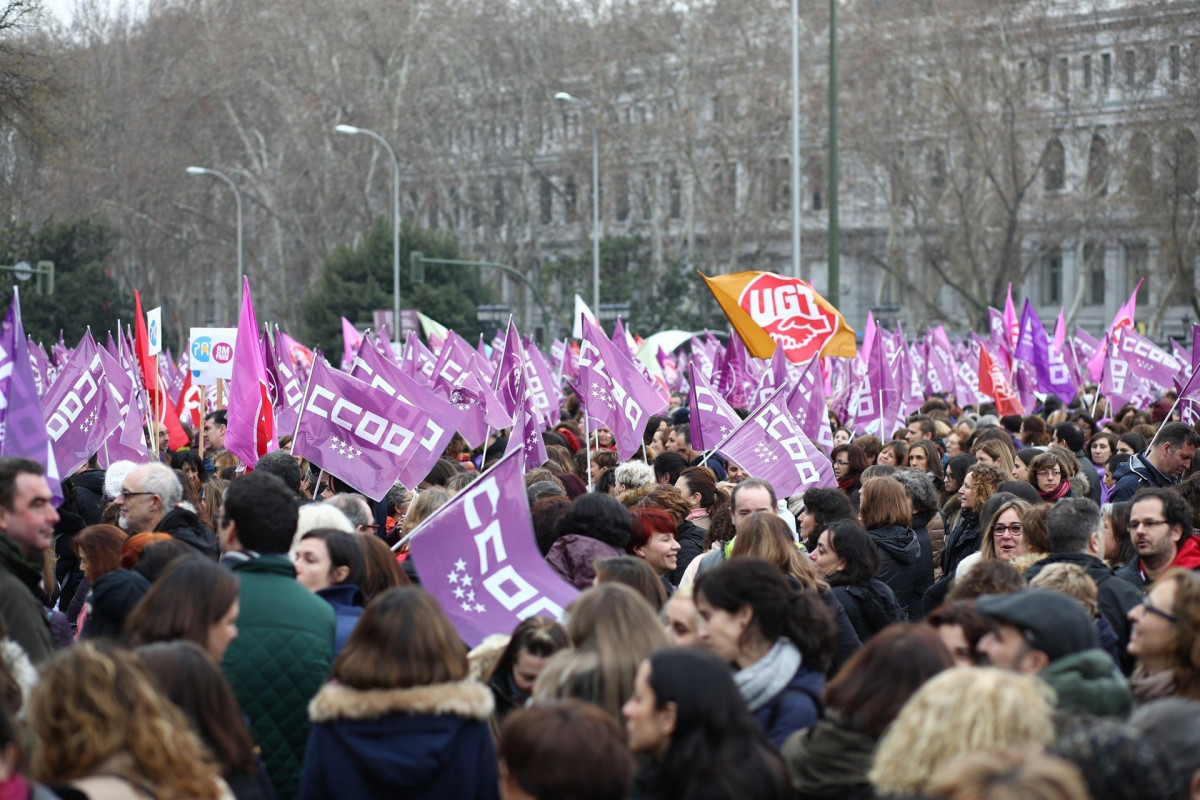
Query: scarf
[
  {"x": 1057, "y": 494},
  {"x": 1148, "y": 686},
  {"x": 760, "y": 682},
  {"x": 847, "y": 483},
  {"x": 696, "y": 513}
]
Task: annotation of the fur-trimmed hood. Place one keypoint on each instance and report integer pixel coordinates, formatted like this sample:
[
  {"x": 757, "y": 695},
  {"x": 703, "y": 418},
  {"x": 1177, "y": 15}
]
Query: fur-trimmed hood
[{"x": 466, "y": 699}]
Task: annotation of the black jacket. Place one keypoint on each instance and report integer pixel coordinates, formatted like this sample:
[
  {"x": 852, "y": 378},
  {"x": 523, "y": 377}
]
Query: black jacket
[
  {"x": 1136, "y": 473},
  {"x": 185, "y": 526},
  {"x": 871, "y": 608},
  {"x": 961, "y": 542},
  {"x": 691, "y": 545},
  {"x": 1116, "y": 596},
  {"x": 899, "y": 565},
  {"x": 112, "y": 598},
  {"x": 920, "y": 526}
]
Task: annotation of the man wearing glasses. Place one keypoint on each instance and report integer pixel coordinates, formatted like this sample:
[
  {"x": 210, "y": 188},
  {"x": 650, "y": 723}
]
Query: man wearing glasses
[
  {"x": 1160, "y": 524},
  {"x": 149, "y": 502}
]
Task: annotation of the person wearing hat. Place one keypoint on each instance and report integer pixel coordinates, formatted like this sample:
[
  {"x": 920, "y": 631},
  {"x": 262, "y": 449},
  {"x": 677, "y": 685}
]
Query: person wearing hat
[{"x": 1048, "y": 634}]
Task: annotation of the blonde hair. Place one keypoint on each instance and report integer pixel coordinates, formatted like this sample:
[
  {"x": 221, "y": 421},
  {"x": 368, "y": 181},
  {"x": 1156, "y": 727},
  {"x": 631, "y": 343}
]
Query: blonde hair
[
  {"x": 961, "y": 711},
  {"x": 999, "y": 452},
  {"x": 612, "y": 628},
  {"x": 1009, "y": 776},
  {"x": 766, "y": 536},
  {"x": 94, "y": 702},
  {"x": 1071, "y": 580}
]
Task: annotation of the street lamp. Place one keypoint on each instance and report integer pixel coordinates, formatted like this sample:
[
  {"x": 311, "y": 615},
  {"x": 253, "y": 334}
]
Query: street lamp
[
  {"x": 351, "y": 130},
  {"x": 237, "y": 196},
  {"x": 796, "y": 217},
  {"x": 566, "y": 97}
]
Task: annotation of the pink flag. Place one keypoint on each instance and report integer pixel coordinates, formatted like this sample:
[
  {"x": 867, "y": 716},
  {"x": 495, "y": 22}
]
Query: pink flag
[
  {"x": 510, "y": 370},
  {"x": 417, "y": 361},
  {"x": 478, "y": 557},
  {"x": 770, "y": 445},
  {"x": 283, "y": 383},
  {"x": 251, "y": 431},
  {"x": 362, "y": 435},
  {"x": 80, "y": 409},
  {"x": 711, "y": 418},
  {"x": 372, "y": 366},
  {"x": 1010, "y": 319},
  {"x": 614, "y": 392},
  {"x": 454, "y": 357},
  {"x": 351, "y": 339},
  {"x": 1119, "y": 383}
]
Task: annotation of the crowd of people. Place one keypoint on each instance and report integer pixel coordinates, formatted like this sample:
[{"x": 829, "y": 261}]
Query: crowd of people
[{"x": 982, "y": 608}]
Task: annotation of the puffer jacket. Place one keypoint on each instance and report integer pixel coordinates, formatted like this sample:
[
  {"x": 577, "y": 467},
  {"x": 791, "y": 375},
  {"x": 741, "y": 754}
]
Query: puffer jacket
[
  {"x": 1136, "y": 473},
  {"x": 900, "y": 565},
  {"x": 185, "y": 526}
]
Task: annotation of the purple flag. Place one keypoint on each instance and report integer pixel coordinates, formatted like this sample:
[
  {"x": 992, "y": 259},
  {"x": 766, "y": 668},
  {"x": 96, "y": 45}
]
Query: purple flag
[
  {"x": 127, "y": 442},
  {"x": 283, "y": 384},
  {"x": 250, "y": 434},
  {"x": 510, "y": 370},
  {"x": 373, "y": 367},
  {"x": 525, "y": 438},
  {"x": 874, "y": 403},
  {"x": 351, "y": 339},
  {"x": 711, "y": 419},
  {"x": 482, "y": 409},
  {"x": 703, "y": 358},
  {"x": 1118, "y": 382},
  {"x": 39, "y": 366},
  {"x": 806, "y": 403},
  {"x": 1148, "y": 361},
  {"x": 451, "y": 362},
  {"x": 478, "y": 557},
  {"x": 1195, "y": 345},
  {"x": 1034, "y": 347},
  {"x": 770, "y": 445},
  {"x": 417, "y": 361},
  {"x": 22, "y": 426},
  {"x": 773, "y": 377},
  {"x": 731, "y": 378},
  {"x": 362, "y": 435},
  {"x": 614, "y": 392},
  {"x": 539, "y": 383},
  {"x": 80, "y": 409}
]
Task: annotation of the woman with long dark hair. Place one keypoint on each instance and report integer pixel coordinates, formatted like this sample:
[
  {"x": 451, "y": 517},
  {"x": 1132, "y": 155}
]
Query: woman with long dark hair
[
  {"x": 688, "y": 722},
  {"x": 849, "y": 461},
  {"x": 400, "y": 716},
  {"x": 511, "y": 680},
  {"x": 194, "y": 599},
  {"x": 848, "y": 558},
  {"x": 779, "y": 640},
  {"x": 330, "y": 563}
]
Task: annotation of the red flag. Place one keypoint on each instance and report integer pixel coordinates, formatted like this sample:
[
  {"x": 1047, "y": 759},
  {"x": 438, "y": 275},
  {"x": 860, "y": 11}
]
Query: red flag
[
  {"x": 993, "y": 383},
  {"x": 160, "y": 400}
]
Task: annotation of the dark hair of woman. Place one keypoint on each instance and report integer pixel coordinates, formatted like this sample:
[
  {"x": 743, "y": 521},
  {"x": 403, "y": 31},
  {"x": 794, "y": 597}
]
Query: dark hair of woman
[
  {"x": 700, "y": 480},
  {"x": 192, "y": 595},
  {"x": 1120, "y": 530},
  {"x": 717, "y": 748},
  {"x": 380, "y": 568},
  {"x": 635, "y": 573},
  {"x": 902, "y": 657},
  {"x": 600, "y": 517},
  {"x": 100, "y": 546},
  {"x": 607, "y": 482},
  {"x": 963, "y": 614},
  {"x": 157, "y": 556},
  {"x": 669, "y": 499},
  {"x": 857, "y": 548},
  {"x": 884, "y": 502},
  {"x": 187, "y": 676},
  {"x": 933, "y": 459},
  {"x": 181, "y": 457},
  {"x": 957, "y": 466},
  {"x": 547, "y": 515},
  {"x": 538, "y": 636},
  {"x": 1135, "y": 441},
  {"x": 800, "y": 616},
  {"x": 345, "y": 550},
  {"x": 855, "y": 455},
  {"x": 403, "y": 639},
  {"x": 443, "y": 469}
]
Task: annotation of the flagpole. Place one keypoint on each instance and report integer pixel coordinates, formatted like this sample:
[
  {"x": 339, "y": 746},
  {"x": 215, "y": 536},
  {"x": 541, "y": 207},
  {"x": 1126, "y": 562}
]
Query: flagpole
[
  {"x": 587, "y": 443},
  {"x": 303, "y": 403},
  {"x": 317, "y": 485},
  {"x": 403, "y": 541}
]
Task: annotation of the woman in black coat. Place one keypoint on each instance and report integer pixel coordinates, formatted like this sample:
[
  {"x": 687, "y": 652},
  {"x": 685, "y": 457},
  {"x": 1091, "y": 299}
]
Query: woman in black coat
[{"x": 848, "y": 558}]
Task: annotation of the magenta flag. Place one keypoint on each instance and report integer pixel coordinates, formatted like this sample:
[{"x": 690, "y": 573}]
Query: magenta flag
[
  {"x": 39, "y": 366},
  {"x": 732, "y": 376},
  {"x": 482, "y": 409},
  {"x": 702, "y": 357},
  {"x": 510, "y": 371},
  {"x": 806, "y": 403},
  {"x": 539, "y": 383},
  {"x": 874, "y": 403},
  {"x": 251, "y": 431},
  {"x": 1119, "y": 383},
  {"x": 22, "y": 426},
  {"x": 776, "y": 374},
  {"x": 478, "y": 557},
  {"x": 770, "y": 445},
  {"x": 525, "y": 438},
  {"x": 373, "y": 367},
  {"x": 362, "y": 435},
  {"x": 351, "y": 339},
  {"x": 417, "y": 360},
  {"x": 1148, "y": 361},
  {"x": 289, "y": 385},
  {"x": 711, "y": 419},
  {"x": 614, "y": 392},
  {"x": 1010, "y": 318},
  {"x": 127, "y": 442},
  {"x": 1034, "y": 347},
  {"x": 80, "y": 409},
  {"x": 454, "y": 357}
]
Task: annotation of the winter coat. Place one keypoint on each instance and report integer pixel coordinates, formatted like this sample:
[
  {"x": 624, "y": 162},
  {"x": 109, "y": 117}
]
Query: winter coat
[
  {"x": 935, "y": 530},
  {"x": 573, "y": 556},
  {"x": 185, "y": 526},
  {"x": 900, "y": 565},
  {"x": 871, "y": 608},
  {"x": 343, "y": 598},
  {"x": 829, "y": 762},
  {"x": 961, "y": 542},
  {"x": 420, "y": 742},
  {"x": 279, "y": 660},
  {"x": 21, "y": 607},
  {"x": 691, "y": 545},
  {"x": 1136, "y": 473},
  {"x": 797, "y": 706},
  {"x": 112, "y": 598},
  {"x": 1088, "y": 682},
  {"x": 926, "y": 573},
  {"x": 1088, "y": 470},
  {"x": 1115, "y": 597},
  {"x": 849, "y": 641}
]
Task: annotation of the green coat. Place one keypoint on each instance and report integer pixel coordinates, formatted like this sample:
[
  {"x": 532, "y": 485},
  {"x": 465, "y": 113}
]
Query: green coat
[
  {"x": 25, "y": 618},
  {"x": 279, "y": 660},
  {"x": 1088, "y": 681}
]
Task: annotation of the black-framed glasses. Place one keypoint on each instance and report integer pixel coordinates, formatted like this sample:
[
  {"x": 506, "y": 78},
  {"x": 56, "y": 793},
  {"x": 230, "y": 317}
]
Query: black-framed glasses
[
  {"x": 128, "y": 495},
  {"x": 1002, "y": 530},
  {"x": 1134, "y": 524},
  {"x": 1158, "y": 612}
]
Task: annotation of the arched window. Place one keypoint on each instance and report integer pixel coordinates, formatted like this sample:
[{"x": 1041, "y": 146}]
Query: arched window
[
  {"x": 1054, "y": 166},
  {"x": 1097, "y": 169}
]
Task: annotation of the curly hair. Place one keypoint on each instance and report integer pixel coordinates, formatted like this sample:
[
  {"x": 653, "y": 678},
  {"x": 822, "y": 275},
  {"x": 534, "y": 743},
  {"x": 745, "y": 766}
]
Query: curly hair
[
  {"x": 94, "y": 702},
  {"x": 987, "y": 478},
  {"x": 669, "y": 499},
  {"x": 961, "y": 711}
]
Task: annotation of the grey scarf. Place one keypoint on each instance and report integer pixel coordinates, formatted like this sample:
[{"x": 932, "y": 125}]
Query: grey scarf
[{"x": 760, "y": 682}]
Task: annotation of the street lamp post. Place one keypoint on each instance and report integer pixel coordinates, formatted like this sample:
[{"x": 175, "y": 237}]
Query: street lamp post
[
  {"x": 796, "y": 217},
  {"x": 566, "y": 97},
  {"x": 350, "y": 129},
  {"x": 237, "y": 196}
]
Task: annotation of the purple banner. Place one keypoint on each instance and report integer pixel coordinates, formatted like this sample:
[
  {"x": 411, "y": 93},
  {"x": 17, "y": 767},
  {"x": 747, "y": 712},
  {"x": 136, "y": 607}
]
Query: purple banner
[
  {"x": 80, "y": 409},
  {"x": 711, "y": 418}
]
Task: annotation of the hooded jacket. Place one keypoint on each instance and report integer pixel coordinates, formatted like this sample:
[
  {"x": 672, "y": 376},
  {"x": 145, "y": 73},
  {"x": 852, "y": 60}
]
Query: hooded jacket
[
  {"x": 691, "y": 545},
  {"x": 870, "y": 608},
  {"x": 1115, "y": 597},
  {"x": 961, "y": 542},
  {"x": 113, "y": 596},
  {"x": 899, "y": 565},
  {"x": 420, "y": 742},
  {"x": 573, "y": 557},
  {"x": 829, "y": 762},
  {"x": 343, "y": 597},
  {"x": 185, "y": 526},
  {"x": 1088, "y": 682},
  {"x": 796, "y": 707},
  {"x": 21, "y": 607},
  {"x": 1136, "y": 473}
]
